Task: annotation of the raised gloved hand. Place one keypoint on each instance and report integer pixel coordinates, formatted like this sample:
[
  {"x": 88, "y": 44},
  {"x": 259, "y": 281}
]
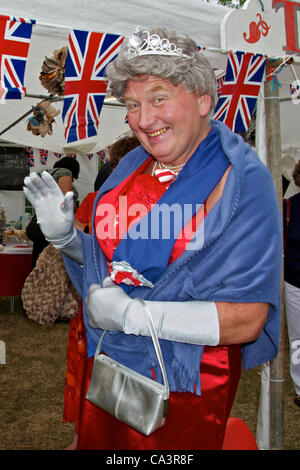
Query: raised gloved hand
[
  {"x": 194, "y": 322},
  {"x": 54, "y": 210}
]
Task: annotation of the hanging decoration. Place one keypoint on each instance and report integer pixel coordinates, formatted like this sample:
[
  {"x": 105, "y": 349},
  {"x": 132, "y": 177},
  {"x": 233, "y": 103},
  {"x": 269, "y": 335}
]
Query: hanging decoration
[
  {"x": 38, "y": 156},
  {"x": 52, "y": 76},
  {"x": 103, "y": 154},
  {"x": 295, "y": 88},
  {"x": 29, "y": 151},
  {"x": 220, "y": 81},
  {"x": 85, "y": 83},
  {"x": 240, "y": 89},
  {"x": 43, "y": 156},
  {"x": 15, "y": 36},
  {"x": 43, "y": 118}
]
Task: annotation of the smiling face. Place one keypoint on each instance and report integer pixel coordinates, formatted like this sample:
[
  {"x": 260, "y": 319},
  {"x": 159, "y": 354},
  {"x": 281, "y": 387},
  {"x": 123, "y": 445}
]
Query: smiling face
[{"x": 169, "y": 121}]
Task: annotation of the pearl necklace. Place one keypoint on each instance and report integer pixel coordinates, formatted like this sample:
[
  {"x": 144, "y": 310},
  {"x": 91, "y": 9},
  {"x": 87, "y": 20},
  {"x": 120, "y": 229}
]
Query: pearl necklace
[
  {"x": 168, "y": 167},
  {"x": 171, "y": 167}
]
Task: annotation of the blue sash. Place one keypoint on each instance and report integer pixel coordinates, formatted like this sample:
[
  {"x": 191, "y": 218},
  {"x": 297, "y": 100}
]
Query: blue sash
[
  {"x": 147, "y": 246},
  {"x": 240, "y": 261}
]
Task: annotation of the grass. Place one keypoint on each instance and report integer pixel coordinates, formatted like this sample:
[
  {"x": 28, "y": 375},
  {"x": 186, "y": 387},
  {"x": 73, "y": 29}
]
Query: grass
[
  {"x": 32, "y": 383},
  {"x": 32, "y": 387}
]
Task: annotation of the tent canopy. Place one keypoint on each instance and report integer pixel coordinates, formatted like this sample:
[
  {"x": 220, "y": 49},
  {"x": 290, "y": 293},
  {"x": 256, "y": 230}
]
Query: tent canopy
[
  {"x": 54, "y": 20},
  {"x": 200, "y": 19}
]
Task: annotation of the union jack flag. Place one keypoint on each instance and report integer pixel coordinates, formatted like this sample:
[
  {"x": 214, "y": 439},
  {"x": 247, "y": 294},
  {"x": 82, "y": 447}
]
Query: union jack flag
[
  {"x": 15, "y": 35},
  {"x": 240, "y": 89},
  {"x": 43, "y": 156},
  {"x": 85, "y": 84},
  {"x": 29, "y": 150}
]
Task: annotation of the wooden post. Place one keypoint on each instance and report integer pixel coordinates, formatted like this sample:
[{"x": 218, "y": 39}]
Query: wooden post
[{"x": 273, "y": 148}]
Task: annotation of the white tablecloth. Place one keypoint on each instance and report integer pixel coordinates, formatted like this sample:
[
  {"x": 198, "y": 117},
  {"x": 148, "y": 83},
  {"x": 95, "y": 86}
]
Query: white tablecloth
[{"x": 16, "y": 249}]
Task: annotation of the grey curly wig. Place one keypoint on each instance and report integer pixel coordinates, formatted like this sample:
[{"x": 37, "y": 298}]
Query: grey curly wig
[{"x": 194, "y": 71}]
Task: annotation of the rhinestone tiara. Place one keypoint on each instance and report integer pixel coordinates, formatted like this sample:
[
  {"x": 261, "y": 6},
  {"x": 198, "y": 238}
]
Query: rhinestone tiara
[{"x": 142, "y": 43}]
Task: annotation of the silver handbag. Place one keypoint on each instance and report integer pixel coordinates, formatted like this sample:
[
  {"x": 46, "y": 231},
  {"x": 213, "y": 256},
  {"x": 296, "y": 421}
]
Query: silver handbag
[{"x": 130, "y": 397}]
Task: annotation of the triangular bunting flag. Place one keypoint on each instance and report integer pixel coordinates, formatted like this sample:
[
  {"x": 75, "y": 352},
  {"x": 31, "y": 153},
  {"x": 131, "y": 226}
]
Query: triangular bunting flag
[{"x": 43, "y": 156}]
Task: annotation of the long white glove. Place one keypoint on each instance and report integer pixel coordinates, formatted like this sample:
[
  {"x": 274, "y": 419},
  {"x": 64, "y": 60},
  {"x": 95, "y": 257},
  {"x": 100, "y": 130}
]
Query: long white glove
[
  {"x": 54, "y": 210},
  {"x": 194, "y": 322}
]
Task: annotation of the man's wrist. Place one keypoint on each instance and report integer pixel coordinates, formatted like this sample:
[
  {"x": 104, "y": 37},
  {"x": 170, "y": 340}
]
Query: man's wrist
[{"x": 63, "y": 242}]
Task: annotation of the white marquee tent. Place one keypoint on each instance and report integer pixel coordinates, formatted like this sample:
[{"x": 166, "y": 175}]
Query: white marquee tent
[
  {"x": 54, "y": 20},
  {"x": 202, "y": 20}
]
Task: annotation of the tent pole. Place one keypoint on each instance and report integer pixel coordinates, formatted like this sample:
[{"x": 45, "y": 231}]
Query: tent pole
[{"x": 273, "y": 149}]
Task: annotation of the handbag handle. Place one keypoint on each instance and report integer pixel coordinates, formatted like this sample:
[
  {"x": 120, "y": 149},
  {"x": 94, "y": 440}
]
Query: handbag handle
[{"x": 154, "y": 339}]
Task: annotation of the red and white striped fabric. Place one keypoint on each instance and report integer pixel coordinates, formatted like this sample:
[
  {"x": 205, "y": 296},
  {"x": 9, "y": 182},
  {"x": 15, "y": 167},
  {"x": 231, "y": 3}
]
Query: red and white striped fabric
[{"x": 165, "y": 175}]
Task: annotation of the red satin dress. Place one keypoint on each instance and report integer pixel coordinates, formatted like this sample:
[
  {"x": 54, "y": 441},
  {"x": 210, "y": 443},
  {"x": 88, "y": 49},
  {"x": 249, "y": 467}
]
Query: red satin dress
[
  {"x": 194, "y": 422},
  {"x": 76, "y": 363},
  {"x": 76, "y": 353}
]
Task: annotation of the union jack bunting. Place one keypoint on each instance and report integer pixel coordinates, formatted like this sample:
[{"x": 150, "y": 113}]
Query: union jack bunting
[
  {"x": 240, "y": 89},
  {"x": 220, "y": 81},
  {"x": 85, "y": 84},
  {"x": 15, "y": 35},
  {"x": 295, "y": 87},
  {"x": 43, "y": 156},
  {"x": 104, "y": 154},
  {"x": 29, "y": 151},
  {"x": 58, "y": 155}
]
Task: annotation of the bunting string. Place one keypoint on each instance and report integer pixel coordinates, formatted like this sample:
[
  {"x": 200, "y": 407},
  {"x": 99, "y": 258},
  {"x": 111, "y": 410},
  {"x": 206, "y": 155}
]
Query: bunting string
[{"x": 37, "y": 156}]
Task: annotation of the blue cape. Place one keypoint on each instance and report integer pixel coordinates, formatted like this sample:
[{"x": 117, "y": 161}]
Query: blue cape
[
  {"x": 187, "y": 194},
  {"x": 239, "y": 261}
]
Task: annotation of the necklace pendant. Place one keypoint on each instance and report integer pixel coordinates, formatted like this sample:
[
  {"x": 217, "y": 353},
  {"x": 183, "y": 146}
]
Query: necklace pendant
[{"x": 165, "y": 175}]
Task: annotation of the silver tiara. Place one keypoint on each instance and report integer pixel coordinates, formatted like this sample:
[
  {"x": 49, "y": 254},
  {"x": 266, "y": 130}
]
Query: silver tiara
[{"x": 142, "y": 43}]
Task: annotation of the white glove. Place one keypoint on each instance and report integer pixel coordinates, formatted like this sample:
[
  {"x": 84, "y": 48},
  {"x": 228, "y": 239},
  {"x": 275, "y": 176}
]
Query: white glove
[
  {"x": 194, "y": 322},
  {"x": 106, "y": 305},
  {"x": 54, "y": 210}
]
